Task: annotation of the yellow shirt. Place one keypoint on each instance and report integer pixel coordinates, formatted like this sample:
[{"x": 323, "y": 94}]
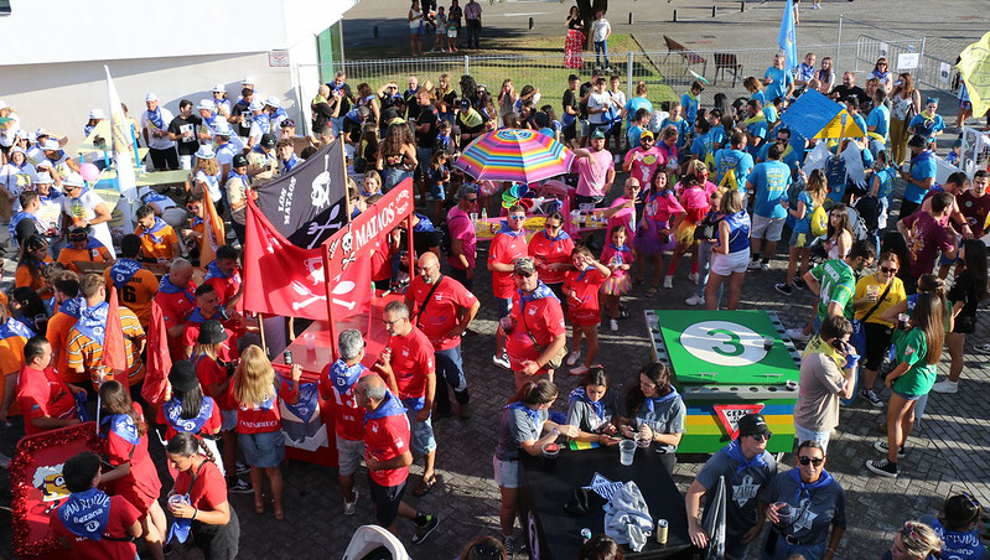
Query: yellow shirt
[{"x": 870, "y": 284}]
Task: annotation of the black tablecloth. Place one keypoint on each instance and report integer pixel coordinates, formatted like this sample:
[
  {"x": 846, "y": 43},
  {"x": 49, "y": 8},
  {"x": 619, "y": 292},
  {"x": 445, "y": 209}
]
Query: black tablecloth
[{"x": 547, "y": 487}]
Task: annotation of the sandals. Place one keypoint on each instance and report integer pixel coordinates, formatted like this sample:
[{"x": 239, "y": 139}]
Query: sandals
[
  {"x": 259, "y": 507},
  {"x": 425, "y": 486}
]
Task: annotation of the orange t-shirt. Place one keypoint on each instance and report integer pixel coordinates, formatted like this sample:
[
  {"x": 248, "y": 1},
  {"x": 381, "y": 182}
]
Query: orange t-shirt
[
  {"x": 11, "y": 363},
  {"x": 137, "y": 294},
  {"x": 25, "y": 278},
  {"x": 69, "y": 255},
  {"x": 58, "y": 336},
  {"x": 167, "y": 239}
]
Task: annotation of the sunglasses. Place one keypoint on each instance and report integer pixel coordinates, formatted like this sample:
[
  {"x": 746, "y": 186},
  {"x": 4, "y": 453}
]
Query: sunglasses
[
  {"x": 551, "y": 226},
  {"x": 809, "y": 461},
  {"x": 523, "y": 274},
  {"x": 888, "y": 269},
  {"x": 760, "y": 438},
  {"x": 517, "y": 217}
]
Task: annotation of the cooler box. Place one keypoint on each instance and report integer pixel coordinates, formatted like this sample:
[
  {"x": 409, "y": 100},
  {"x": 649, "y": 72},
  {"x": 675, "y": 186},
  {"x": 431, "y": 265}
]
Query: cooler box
[{"x": 727, "y": 364}]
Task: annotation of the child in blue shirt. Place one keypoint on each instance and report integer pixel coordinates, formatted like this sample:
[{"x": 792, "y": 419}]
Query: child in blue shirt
[
  {"x": 682, "y": 125},
  {"x": 927, "y": 124},
  {"x": 691, "y": 101}
]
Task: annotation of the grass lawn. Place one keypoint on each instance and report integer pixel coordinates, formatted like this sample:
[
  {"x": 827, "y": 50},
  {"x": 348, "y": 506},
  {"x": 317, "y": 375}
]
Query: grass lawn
[{"x": 536, "y": 61}]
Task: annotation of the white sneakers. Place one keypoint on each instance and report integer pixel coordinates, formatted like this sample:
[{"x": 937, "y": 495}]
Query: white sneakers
[
  {"x": 501, "y": 361},
  {"x": 350, "y": 508},
  {"x": 668, "y": 282},
  {"x": 573, "y": 357},
  {"x": 695, "y": 300},
  {"x": 613, "y": 325},
  {"x": 947, "y": 387}
]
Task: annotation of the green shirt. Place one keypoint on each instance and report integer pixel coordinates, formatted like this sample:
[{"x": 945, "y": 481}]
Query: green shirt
[
  {"x": 912, "y": 349},
  {"x": 838, "y": 284}
]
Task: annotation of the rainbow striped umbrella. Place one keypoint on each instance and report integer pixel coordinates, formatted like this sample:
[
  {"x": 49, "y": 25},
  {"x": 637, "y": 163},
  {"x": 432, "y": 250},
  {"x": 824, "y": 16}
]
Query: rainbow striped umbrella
[{"x": 514, "y": 154}]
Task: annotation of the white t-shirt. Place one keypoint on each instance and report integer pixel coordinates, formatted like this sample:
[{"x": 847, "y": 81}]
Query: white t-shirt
[
  {"x": 212, "y": 184},
  {"x": 16, "y": 180},
  {"x": 164, "y": 142},
  {"x": 82, "y": 207},
  {"x": 10, "y": 128},
  {"x": 600, "y": 29},
  {"x": 598, "y": 101},
  {"x": 225, "y": 154}
]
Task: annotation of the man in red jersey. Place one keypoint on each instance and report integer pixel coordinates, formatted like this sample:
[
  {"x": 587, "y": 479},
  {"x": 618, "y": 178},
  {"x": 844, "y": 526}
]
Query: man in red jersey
[
  {"x": 93, "y": 525},
  {"x": 508, "y": 245},
  {"x": 387, "y": 455},
  {"x": 408, "y": 358},
  {"x": 45, "y": 400},
  {"x": 176, "y": 298},
  {"x": 535, "y": 329},
  {"x": 224, "y": 275}
]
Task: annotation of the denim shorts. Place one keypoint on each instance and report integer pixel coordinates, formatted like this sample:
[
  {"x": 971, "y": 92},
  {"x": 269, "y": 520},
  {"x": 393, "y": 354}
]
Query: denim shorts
[
  {"x": 423, "y": 441},
  {"x": 506, "y": 473},
  {"x": 802, "y": 435},
  {"x": 907, "y": 396},
  {"x": 263, "y": 451}
]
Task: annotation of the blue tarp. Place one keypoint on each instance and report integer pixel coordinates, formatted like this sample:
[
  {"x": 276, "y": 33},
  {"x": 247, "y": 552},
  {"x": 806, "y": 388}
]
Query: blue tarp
[{"x": 810, "y": 113}]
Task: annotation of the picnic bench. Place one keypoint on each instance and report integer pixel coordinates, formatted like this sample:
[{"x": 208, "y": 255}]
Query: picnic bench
[
  {"x": 727, "y": 62},
  {"x": 688, "y": 56}
]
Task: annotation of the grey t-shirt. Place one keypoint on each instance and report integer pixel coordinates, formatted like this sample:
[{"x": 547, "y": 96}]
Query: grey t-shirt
[
  {"x": 667, "y": 417},
  {"x": 812, "y": 511},
  {"x": 742, "y": 486},
  {"x": 582, "y": 414},
  {"x": 515, "y": 427}
]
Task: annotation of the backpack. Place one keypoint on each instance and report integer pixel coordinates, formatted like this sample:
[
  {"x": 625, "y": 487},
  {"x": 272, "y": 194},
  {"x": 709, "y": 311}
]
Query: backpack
[{"x": 819, "y": 221}]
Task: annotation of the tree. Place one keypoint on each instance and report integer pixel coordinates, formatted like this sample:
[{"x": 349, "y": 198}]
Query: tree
[{"x": 588, "y": 8}]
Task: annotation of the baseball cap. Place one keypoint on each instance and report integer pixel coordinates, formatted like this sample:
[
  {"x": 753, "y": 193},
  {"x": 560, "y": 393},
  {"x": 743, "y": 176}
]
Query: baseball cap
[
  {"x": 256, "y": 105},
  {"x": 150, "y": 97},
  {"x": 753, "y": 424},
  {"x": 287, "y": 123},
  {"x": 97, "y": 113},
  {"x": 267, "y": 141},
  {"x": 524, "y": 266},
  {"x": 273, "y": 101},
  {"x": 598, "y": 133},
  {"x": 218, "y": 89},
  {"x": 465, "y": 103},
  {"x": 211, "y": 332},
  {"x": 239, "y": 161},
  {"x": 248, "y": 81},
  {"x": 645, "y": 134},
  {"x": 207, "y": 104},
  {"x": 183, "y": 375}
]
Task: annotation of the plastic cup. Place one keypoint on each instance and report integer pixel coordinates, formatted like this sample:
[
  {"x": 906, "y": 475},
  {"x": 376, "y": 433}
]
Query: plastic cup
[
  {"x": 550, "y": 453},
  {"x": 627, "y": 451}
]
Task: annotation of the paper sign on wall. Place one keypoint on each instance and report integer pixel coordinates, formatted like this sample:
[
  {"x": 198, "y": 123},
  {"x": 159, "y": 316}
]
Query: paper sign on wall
[
  {"x": 908, "y": 61},
  {"x": 944, "y": 72}
]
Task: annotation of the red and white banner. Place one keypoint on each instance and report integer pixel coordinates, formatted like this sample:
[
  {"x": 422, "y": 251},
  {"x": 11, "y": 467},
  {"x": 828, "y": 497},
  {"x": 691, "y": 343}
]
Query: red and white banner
[{"x": 281, "y": 278}]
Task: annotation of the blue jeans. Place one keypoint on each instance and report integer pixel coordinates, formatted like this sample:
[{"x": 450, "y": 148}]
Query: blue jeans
[
  {"x": 601, "y": 48},
  {"x": 392, "y": 176},
  {"x": 783, "y": 550},
  {"x": 450, "y": 369}
]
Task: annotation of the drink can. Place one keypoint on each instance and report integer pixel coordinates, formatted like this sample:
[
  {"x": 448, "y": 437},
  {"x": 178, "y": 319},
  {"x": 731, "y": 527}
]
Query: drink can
[
  {"x": 661, "y": 531},
  {"x": 287, "y": 357}
]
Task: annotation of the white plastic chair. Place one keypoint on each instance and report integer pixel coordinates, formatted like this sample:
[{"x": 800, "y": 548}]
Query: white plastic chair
[{"x": 369, "y": 537}]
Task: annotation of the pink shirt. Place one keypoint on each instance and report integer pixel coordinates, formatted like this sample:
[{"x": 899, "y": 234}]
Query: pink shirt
[
  {"x": 625, "y": 217},
  {"x": 592, "y": 172},
  {"x": 460, "y": 227},
  {"x": 645, "y": 163}
]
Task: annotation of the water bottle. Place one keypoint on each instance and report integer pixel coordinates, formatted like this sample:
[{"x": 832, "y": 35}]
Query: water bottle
[{"x": 484, "y": 214}]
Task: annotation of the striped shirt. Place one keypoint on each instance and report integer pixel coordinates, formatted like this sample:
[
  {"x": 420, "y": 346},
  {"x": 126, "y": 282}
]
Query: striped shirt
[{"x": 86, "y": 353}]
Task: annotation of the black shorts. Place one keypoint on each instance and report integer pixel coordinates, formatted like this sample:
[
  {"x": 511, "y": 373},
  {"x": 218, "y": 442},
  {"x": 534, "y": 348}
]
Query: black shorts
[
  {"x": 877, "y": 345},
  {"x": 964, "y": 324},
  {"x": 570, "y": 131},
  {"x": 386, "y": 500}
]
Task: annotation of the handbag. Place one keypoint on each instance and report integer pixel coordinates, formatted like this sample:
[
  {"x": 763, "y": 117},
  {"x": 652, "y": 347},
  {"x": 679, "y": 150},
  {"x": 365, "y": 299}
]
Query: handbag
[{"x": 858, "y": 338}]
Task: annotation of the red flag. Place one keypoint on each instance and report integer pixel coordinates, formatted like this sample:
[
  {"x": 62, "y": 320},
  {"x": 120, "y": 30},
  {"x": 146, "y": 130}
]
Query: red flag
[
  {"x": 351, "y": 290},
  {"x": 159, "y": 360},
  {"x": 114, "y": 351},
  {"x": 279, "y": 277}
]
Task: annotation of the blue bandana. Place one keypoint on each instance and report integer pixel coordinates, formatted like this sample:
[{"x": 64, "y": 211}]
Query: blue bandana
[
  {"x": 13, "y": 327},
  {"x": 72, "y": 307},
  {"x": 243, "y": 178},
  {"x": 533, "y": 415},
  {"x": 651, "y": 403},
  {"x": 736, "y": 454},
  {"x": 168, "y": 287},
  {"x": 303, "y": 407},
  {"x": 343, "y": 377},
  {"x": 181, "y": 527},
  {"x": 213, "y": 271},
  {"x": 390, "y": 406},
  {"x": 173, "y": 412},
  {"x": 85, "y": 514},
  {"x": 123, "y": 270},
  {"x": 620, "y": 253},
  {"x": 197, "y": 316},
  {"x": 288, "y": 165},
  {"x": 579, "y": 394},
  {"x": 541, "y": 291},
  {"x": 804, "y": 488},
  {"x": 156, "y": 227},
  {"x": 561, "y": 235},
  {"x": 122, "y": 425},
  {"x": 93, "y": 321},
  {"x": 155, "y": 117}
]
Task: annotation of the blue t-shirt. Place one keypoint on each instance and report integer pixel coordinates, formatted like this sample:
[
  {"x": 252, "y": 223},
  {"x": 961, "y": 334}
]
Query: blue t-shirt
[
  {"x": 804, "y": 224},
  {"x": 922, "y": 167},
  {"x": 886, "y": 178},
  {"x": 737, "y": 160},
  {"x": 782, "y": 80},
  {"x": 927, "y": 128},
  {"x": 635, "y": 104},
  {"x": 743, "y": 485},
  {"x": 690, "y": 105},
  {"x": 880, "y": 118},
  {"x": 698, "y": 146},
  {"x": 859, "y": 120},
  {"x": 683, "y": 128},
  {"x": 759, "y": 130},
  {"x": 717, "y": 135},
  {"x": 957, "y": 544},
  {"x": 770, "y": 180},
  {"x": 632, "y": 135},
  {"x": 770, "y": 113}
]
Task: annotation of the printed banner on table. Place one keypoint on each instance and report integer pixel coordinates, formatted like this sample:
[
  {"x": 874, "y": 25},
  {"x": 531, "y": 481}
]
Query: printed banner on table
[
  {"x": 309, "y": 203},
  {"x": 281, "y": 278},
  {"x": 38, "y": 487},
  {"x": 729, "y": 415}
]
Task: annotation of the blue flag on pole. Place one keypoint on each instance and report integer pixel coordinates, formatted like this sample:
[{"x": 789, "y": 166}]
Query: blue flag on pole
[{"x": 787, "y": 37}]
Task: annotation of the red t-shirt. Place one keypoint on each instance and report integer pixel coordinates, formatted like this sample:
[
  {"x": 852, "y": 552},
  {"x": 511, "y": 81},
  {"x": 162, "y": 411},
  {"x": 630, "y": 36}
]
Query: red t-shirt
[
  {"x": 41, "y": 394},
  {"x": 175, "y": 308},
  {"x": 412, "y": 363},
  {"x": 538, "y": 324},
  {"x": 211, "y": 427},
  {"x": 122, "y": 517},
  {"x": 264, "y": 417},
  {"x": 207, "y": 492},
  {"x": 385, "y": 439},
  {"x": 581, "y": 289},
  {"x": 505, "y": 249},
  {"x": 141, "y": 486},
  {"x": 348, "y": 417},
  {"x": 211, "y": 374},
  {"x": 928, "y": 237},
  {"x": 226, "y": 288},
  {"x": 551, "y": 251},
  {"x": 381, "y": 262},
  {"x": 438, "y": 316},
  {"x": 230, "y": 326}
]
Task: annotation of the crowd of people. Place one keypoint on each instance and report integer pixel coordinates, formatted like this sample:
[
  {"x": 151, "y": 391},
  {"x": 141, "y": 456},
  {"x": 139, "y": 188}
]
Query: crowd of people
[{"x": 716, "y": 183}]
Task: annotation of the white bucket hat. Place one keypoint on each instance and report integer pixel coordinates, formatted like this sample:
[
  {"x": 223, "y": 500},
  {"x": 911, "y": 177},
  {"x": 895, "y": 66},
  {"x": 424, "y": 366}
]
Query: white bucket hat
[
  {"x": 222, "y": 129},
  {"x": 219, "y": 89},
  {"x": 73, "y": 180},
  {"x": 273, "y": 101},
  {"x": 247, "y": 81},
  {"x": 50, "y": 145},
  {"x": 150, "y": 97},
  {"x": 43, "y": 178},
  {"x": 97, "y": 113},
  {"x": 256, "y": 105},
  {"x": 205, "y": 152},
  {"x": 207, "y": 104}
]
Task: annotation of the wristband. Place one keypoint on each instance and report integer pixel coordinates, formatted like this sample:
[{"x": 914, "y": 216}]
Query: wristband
[{"x": 195, "y": 513}]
